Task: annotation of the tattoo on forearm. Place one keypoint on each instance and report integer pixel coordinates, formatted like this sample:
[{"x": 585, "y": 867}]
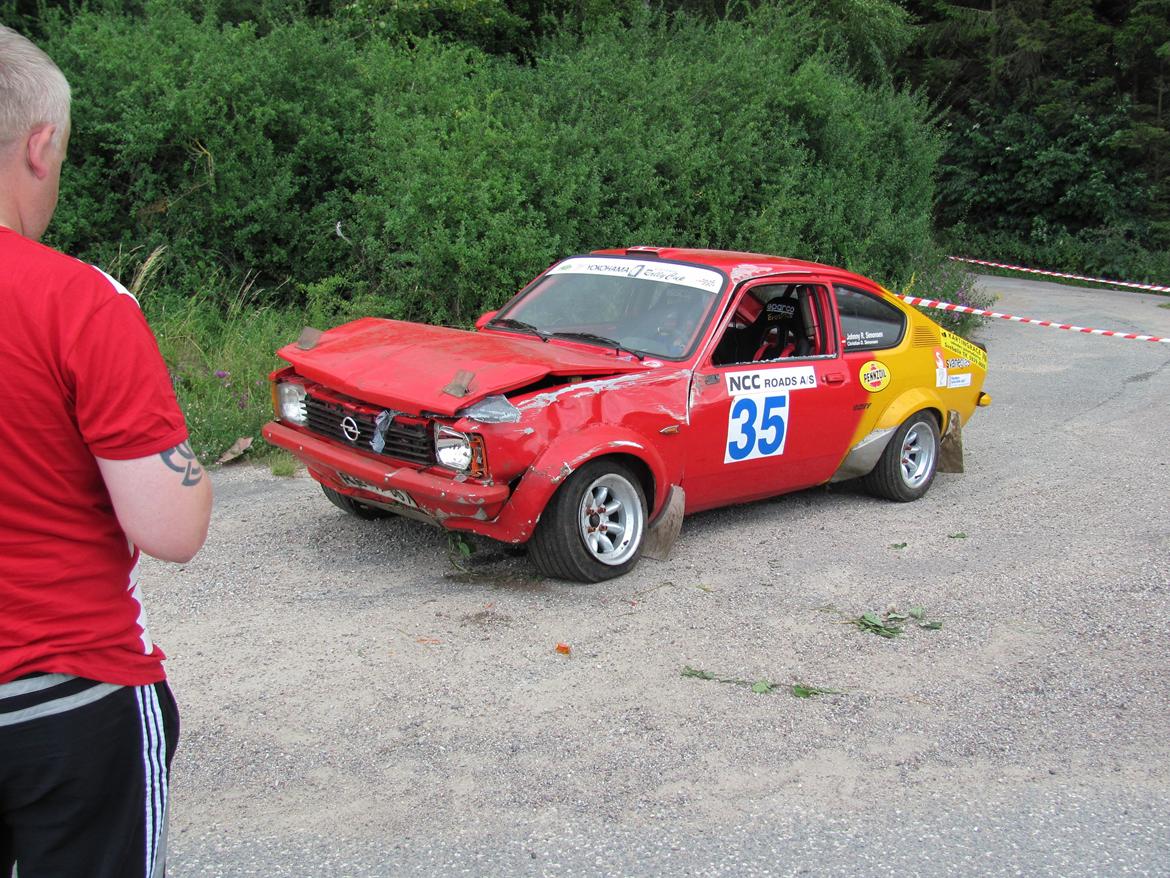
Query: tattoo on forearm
[{"x": 182, "y": 460}]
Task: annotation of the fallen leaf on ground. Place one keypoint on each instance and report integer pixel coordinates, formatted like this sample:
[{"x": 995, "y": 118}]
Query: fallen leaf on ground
[
  {"x": 237, "y": 448},
  {"x": 871, "y": 623},
  {"x": 802, "y": 691}
]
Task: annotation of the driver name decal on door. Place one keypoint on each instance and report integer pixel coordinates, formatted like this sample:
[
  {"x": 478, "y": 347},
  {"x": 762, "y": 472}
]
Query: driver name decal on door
[{"x": 757, "y": 422}]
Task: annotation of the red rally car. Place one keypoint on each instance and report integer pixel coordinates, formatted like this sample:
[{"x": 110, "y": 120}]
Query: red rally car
[{"x": 623, "y": 388}]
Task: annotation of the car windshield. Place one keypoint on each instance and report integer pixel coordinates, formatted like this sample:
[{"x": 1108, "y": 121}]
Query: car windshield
[{"x": 642, "y": 306}]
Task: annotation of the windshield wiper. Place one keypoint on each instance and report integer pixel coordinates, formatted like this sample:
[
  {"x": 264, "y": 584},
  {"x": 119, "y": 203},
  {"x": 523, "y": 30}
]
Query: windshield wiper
[
  {"x": 518, "y": 324},
  {"x": 601, "y": 339}
]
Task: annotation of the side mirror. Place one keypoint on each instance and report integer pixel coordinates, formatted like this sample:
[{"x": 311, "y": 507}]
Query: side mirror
[{"x": 484, "y": 318}]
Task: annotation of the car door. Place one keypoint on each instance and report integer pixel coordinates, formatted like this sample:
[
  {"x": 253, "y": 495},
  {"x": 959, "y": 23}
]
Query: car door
[{"x": 773, "y": 408}]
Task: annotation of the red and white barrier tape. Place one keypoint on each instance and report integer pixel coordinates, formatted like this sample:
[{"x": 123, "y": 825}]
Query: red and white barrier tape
[
  {"x": 1096, "y": 280},
  {"x": 964, "y": 309}
]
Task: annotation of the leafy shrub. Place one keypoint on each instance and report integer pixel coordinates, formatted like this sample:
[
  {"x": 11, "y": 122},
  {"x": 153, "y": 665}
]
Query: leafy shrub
[
  {"x": 940, "y": 278},
  {"x": 229, "y": 147},
  {"x": 740, "y": 135},
  {"x": 1105, "y": 252},
  {"x": 457, "y": 176},
  {"x": 295, "y": 174}
]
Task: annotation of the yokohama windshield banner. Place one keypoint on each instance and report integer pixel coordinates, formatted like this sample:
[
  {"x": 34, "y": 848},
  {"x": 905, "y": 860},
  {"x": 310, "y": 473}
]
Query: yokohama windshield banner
[{"x": 662, "y": 272}]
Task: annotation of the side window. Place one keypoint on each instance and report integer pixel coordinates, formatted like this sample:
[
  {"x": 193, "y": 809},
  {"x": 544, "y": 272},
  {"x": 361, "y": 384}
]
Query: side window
[
  {"x": 776, "y": 322},
  {"x": 867, "y": 322}
]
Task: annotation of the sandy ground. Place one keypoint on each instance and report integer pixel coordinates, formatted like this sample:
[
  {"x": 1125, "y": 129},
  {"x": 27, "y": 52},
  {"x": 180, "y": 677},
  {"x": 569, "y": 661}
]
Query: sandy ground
[{"x": 355, "y": 704}]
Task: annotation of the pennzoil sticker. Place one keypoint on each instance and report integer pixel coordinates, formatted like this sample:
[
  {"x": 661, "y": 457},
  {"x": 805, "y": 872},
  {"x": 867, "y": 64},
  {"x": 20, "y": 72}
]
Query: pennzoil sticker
[
  {"x": 962, "y": 348},
  {"x": 874, "y": 375}
]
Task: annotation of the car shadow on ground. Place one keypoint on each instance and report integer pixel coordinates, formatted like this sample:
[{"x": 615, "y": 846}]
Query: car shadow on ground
[{"x": 490, "y": 562}]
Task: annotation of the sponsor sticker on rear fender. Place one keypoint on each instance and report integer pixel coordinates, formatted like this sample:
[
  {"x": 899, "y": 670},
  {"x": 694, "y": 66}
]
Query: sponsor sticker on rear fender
[
  {"x": 874, "y": 375},
  {"x": 962, "y": 348}
]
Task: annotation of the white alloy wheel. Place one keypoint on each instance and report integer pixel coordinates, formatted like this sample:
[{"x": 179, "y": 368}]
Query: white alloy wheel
[
  {"x": 917, "y": 455},
  {"x": 611, "y": 518}
]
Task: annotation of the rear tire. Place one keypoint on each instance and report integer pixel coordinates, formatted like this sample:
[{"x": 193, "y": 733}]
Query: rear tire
[
  {"x": 352, "y": 506},
  {"x": 594, "y": 525},
  {"x": 907, "y": 466}
]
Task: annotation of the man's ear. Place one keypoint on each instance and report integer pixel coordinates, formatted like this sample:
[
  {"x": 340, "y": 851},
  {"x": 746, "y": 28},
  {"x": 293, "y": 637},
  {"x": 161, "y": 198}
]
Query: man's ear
[{"x": 41, "y": 150}]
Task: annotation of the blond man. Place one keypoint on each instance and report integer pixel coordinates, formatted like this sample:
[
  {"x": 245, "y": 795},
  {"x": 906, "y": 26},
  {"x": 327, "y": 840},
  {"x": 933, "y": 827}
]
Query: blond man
[{"x": 95, "y": 467}]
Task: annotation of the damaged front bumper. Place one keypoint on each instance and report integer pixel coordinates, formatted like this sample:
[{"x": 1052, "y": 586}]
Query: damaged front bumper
[{"x": 415, "y": 493}]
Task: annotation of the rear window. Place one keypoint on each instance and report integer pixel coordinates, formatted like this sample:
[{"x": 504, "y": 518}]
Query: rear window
[{"x": 868, "y": 323}]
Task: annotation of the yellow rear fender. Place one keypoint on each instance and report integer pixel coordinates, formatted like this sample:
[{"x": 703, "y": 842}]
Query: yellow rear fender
[{"x": 913, "y": 400}]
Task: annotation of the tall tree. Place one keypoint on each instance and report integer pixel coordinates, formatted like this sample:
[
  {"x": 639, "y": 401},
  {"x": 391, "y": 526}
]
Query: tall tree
[{"x": 1056, "y": 118}]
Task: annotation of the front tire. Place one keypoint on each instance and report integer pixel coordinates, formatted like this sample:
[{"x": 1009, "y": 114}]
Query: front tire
[
  {"x": 354, "y": 507},
  {"x": 907, "y": 466},
  {"x": 594, "y": 525}
]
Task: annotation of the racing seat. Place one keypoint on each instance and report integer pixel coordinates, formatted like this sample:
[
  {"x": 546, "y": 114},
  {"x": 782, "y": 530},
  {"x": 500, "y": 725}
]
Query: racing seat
[
  {"x": 778, "y": 331},
  {"x": 808, "y": 313}
]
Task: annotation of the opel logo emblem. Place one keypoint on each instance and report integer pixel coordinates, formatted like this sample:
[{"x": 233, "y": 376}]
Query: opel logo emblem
[{"x": 350, "y": 428}]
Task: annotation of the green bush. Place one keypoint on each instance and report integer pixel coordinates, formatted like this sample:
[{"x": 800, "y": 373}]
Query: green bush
[
  {"x": 936, "y": 277},
  {"x": 455, "y": 175},
  {"x": 297, "y": 174},
  {"x": 1105, "y": 252},
  {"x": 739, "y": 135},
  {"x": 230, "y": 148}
]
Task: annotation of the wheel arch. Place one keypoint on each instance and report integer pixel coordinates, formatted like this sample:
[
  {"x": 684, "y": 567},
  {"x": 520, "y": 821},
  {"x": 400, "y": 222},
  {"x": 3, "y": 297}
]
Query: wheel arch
[
  {"x": 565, "y": 456},
  {"x": 864, "y": 456},
  {"x": 907, "y": 466},
  {"x": 645, "y": 476},
  {"x": 568, "y": 456},
  {"x": 911, "y": 403}
]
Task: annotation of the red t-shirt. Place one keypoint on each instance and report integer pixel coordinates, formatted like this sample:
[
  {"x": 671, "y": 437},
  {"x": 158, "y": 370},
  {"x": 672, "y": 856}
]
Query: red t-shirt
[{"x": 80, "y": 376}]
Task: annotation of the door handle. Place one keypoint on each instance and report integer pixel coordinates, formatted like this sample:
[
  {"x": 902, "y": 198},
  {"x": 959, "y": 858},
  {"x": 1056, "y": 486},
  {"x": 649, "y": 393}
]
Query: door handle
[{"x": 834, "y": 378}]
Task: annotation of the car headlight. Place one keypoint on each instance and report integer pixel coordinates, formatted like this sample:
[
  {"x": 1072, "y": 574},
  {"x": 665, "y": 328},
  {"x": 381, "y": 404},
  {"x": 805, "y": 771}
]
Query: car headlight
[
  {"x": 459, "y": 451},
  {"x": 290, "y": 403},
  {"x": 452, "y": 448}
]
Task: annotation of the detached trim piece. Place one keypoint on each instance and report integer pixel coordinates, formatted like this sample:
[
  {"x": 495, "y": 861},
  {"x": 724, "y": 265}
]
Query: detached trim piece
[{"x": 864, "y": 456}]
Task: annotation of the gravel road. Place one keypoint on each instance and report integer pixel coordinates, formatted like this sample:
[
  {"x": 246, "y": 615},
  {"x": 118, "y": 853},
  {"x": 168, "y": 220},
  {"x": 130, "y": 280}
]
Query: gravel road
[{"x": 355, "y": 705}]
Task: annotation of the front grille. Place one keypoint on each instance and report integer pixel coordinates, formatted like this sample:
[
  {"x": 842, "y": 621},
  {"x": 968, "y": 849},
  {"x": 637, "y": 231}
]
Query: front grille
[{"x": 406, "y": 438}]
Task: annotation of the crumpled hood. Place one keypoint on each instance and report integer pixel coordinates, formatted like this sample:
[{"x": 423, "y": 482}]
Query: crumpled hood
[{"x": 414, "y": 367}]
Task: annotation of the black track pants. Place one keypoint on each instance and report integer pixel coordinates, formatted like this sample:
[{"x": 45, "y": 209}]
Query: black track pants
[{"x": 83, "y": 778}]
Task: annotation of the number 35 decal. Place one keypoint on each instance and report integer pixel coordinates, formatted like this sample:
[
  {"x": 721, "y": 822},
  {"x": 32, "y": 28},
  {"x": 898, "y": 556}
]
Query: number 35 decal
[{"x": 756, "y": 427}]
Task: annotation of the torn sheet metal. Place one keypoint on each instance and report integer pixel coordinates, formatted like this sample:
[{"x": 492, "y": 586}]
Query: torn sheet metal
[
  {"x": 309, "y": 338},
  {"x": 864, "y": 455},
  {"x": 461, "y": 384},
  {"x": 381, "y": 425},
  {"x": 492, "y": 410}
]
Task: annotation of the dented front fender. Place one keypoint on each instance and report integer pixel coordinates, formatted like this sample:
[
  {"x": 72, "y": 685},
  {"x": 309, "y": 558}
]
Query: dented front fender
[{"x": 564, "y": 456}]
